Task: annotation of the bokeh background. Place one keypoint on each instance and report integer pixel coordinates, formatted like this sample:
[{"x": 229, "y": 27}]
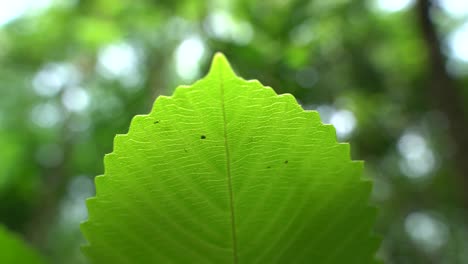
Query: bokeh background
[{"x": 391, "y": 75}]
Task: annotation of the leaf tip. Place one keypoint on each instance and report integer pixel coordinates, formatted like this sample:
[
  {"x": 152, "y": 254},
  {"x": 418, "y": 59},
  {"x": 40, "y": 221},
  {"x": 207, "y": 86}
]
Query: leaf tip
[{"x": 221, "y": 64}]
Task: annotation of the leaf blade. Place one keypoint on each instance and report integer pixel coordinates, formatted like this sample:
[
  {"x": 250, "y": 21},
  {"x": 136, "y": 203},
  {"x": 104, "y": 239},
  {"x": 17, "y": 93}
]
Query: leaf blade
[{"x": 226, "y": 171}]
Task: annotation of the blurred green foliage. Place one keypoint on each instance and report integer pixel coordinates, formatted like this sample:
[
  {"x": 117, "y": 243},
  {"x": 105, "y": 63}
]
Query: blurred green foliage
[
  {"x": 15, "y": 251},
  {"x": 73, "y": 74}
]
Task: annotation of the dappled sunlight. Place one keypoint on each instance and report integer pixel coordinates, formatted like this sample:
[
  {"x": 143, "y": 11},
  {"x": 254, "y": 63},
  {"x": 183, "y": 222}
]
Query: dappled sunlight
[
  {"x": 47, "y": 115},
  {"x": 15, "y": 9},
  {"x": 344, "y": 123},
  {"x": 418, "y": 160},
  {"x": 122, "y": 62},
  {"x": 188, "y": 56},
  {"x": 392, "y": 5},
  {"x": 73, "y": 209},
  {"x": 343, "y": 120},
  {"x": 458, "y": 43},
  {"x": 53, "y": 77},
  {"x": 221, "y": 25},
  {"x": 75, "y": 99},
  {"x": 455, "y": 8},
  {"x": 426, "y": 231}
]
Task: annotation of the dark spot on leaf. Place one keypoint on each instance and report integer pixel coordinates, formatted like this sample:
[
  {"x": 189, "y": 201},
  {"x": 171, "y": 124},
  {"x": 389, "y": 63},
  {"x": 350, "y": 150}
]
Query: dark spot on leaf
[
  {"x": 268, "y": 167},
  {"x": 203, "y": 137},
  {"x": 286, "y": 162},
  {"x": 185, "y": 150},
  {"x": 156, "y": 122}
]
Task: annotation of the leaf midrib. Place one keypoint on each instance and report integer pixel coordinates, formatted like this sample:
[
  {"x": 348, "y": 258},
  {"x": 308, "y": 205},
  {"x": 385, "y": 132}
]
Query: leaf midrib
[{"x": 228, "y": 172}]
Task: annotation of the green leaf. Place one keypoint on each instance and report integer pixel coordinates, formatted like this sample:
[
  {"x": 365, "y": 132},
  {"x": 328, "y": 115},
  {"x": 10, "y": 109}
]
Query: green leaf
[
  {"x": 13, "y": 250},
  {"x": 227, "y": 171}
]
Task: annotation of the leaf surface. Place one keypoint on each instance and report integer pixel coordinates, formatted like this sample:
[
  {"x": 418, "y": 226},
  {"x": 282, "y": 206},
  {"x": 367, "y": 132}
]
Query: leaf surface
[
  {"x": 13, "y": 250},
  {"x": 227, "y": 171}
]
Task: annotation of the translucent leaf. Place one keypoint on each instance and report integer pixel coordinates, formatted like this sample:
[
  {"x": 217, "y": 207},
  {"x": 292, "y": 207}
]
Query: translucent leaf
[
  {"x": 14, "y": 250},
  {"x": 227, "y": 171}
]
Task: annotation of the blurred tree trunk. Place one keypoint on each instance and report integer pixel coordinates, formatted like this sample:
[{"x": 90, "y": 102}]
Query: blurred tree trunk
[
  {"x": 55, "y": 182},
  {"x": 47, "y": 208},
  {"x": 446, "y": 94}
]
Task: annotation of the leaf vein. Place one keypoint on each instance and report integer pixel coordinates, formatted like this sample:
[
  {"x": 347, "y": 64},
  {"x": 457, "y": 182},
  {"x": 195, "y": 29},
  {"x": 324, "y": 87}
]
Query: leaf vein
[{"x": 228, "y": 171}]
